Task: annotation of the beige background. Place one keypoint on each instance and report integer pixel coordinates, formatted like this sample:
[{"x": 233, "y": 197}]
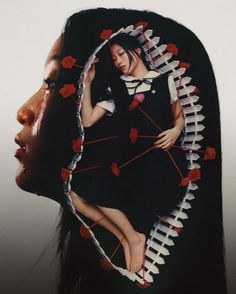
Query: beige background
[{"x": 28, "y": 28}]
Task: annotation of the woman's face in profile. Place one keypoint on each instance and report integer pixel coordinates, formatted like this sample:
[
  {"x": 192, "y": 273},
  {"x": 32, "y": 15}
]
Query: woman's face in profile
[{"x": 41, "y": 141}]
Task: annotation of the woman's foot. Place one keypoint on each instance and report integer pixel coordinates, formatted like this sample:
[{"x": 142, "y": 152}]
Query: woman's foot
[
  {"x": 137, "y": 253},
  {"x": 126, "y": 248}
]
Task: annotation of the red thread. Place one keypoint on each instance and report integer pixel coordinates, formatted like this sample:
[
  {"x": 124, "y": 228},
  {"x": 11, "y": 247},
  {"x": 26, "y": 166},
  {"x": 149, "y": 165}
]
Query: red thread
[
  {"x": 176, "y": 166},
  {"x": 85, "y": 169},
  {"x": 140, "y": 109},
  {"x": 100, "y": 140}
]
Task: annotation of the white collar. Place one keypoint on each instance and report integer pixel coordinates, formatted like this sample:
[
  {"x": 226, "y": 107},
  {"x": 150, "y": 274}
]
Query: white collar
[{"x": 150, "y": 75}]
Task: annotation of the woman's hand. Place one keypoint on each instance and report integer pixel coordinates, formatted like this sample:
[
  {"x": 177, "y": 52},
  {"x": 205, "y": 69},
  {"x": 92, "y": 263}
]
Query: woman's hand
[
  {"x": 167, "y": 138},
  {"x": 91, "y": 73}
]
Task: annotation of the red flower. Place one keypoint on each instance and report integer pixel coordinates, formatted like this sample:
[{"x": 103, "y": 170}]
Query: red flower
[
  {"x": 106, "y": 264},
  {"x": 65, "y": 173},
  {"x": 184, "y": 65},
  {"x": 210, "y": 153},
  {"x": 171, "y": 48},
  {"x": 105, "y": 34},
  {"x": 133, "y": 135},
  {"x": 184, "y": 181},
  {"x": 194, "y": 174},
  {"x": 76, "y": 144},
  {"x": 68, "y": 62},
  {"x": 145, "y": 285},
  {"x": 196, "y": 90},
  {"x": 115, "y": 169},
  {"x": 84, "y": 232},
  {"x": 178, "y": 230},
  {"x": 141, "y": 23},
  {"x": 67, "y": 90}
]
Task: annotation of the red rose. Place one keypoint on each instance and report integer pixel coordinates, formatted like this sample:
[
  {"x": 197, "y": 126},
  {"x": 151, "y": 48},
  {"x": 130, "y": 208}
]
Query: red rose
[
  {"x": 76, "y": 144},
  {"x": 105, "y": 34},
  {"x": 115, "y": 169},
  {"x": 84, "y": 232},
  {"x": 184, "y": 65},
  {"x": 68, "y": 62},
  {"x": 184, "y": 181},
  {"x": 210, "y": 153},
  {"x": 133, "y": 135},
  {"x": 65, "y": 173},
  {"x": 194, "y": 174},
  {"x": 67, "y": 90},
  {"x": 106, "y": 264},
  {"x": 171, "y": 48},
  {"x": 144, "y": 24}
]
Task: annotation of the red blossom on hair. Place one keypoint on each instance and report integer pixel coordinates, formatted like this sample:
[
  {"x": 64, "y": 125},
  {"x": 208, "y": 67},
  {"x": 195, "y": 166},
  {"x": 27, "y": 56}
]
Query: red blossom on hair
[
  {"x": 133, "y": 135},
  {"x": 105, "y": 34},
  {"x": 171, "y": 48},
  {"x": 184, "y": 65},
  {"x": 65, "y": 173},
  {"x": 115, "y": 169},
  {"x": 194, "y": 174},
  {"x": 105, "y": 264},
  {"x": 144, "y": 24},
  {"x": 184, "y": 181},
  {"x": 68, "y": 62},
  {"x": 210, "y": 153},
  {"x": 67, "y": 90},
  {"x": 84, "y": 232},
  {"x": 76, "y": 144},
  {"x": 145, "y": 285}
]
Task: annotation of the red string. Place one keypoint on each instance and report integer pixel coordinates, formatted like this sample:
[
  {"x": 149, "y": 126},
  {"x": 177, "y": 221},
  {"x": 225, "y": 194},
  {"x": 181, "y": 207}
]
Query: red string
[
  {"x": 98, "y": 221},
  {"x": 176, "y": 166},
  {"x": 84, "y": 169},
  {"x": 100, "y": 140},
  {"x": 140, "y": 109},
  {"x": 117, "y": 247}
]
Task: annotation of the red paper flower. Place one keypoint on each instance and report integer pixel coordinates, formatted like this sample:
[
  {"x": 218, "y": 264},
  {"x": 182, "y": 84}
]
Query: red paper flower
[
  {"x": 67, "y": 90},
  {"x": 106, "y": 264},
  {"x": 145, "y": 285},
  {"x": 194, "y": 174},
  {"x": 65, "y": 173},
  {"x": 84, "y": 232},
  {"x": 68, "y": 62},
  {"x": 105, "y": 34},
  {"x": 133, "y": 135},
  {"x": 138, "y": 98},
  {"x": 184, "y": 65},
  {"x": 184, "y": 181},
  {"x": 178, "y": 230},
  {"x": 76, "y": 144},
  {"x": 141, "y": 23},
  {"x": 171, "y": 48},
  {"x": 210, "y": 153},
  {"x": 115, "y": 169}
]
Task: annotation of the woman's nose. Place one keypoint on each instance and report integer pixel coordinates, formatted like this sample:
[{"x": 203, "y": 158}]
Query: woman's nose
[{"x": 25, "y": 115}]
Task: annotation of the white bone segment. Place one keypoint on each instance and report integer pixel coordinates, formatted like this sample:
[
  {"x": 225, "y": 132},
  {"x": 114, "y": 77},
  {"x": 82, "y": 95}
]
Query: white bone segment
[
  {"x": 184, "y": 81},
  {"x": 192, "y": 109},
  {"x": 137, "y": 31},
  {"x": 191, "y": 146},
  {"x": 194, "y": 128},
  {"x": 189, "y": 100},
  {"x": 163, "y": 59},
  {"x": 154, "y": 256},
  {"x": 150, "y": 44},
  {"x": 186, "y": 90},
  {"x": 189, "y": 196},
  {"x": 151, "y": 267},
  {"x": 167, "y": 68},
  {"x": 192, "y": 186},
  {"x": 192, "y": 156},
  {"x": 193, "y": 165},
  {"x": 179, "y": 72},
  {"x": 128, "y": 29},
  {"x": 179, "y": 214},
  {"x": 146, "y": 276},
  {"x": 158, "y": 247},
  {"x": 157, "y": 51},
  {"x": 162, "y": 238},
  {"x": 173, "y": 222},
  {"x": 145, "y": 35},
  {"x": 184, "y": 205},
  {"x": 194, "y": 118},
  {"x": 190, "y": 138},
  {"x": 166, "y": 229}
]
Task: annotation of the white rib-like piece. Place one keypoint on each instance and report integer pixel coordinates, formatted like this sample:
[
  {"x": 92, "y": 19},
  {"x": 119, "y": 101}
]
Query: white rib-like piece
[
  {"x": 193, "y": 165},
  {"x": 192, "y": 109},
  {"x": 158, "y": 247},
  {"x": 184, "y": 205},
  {"x": 192, "y": 156},
  {"x": 179, "y": 214},
  {"x": 189, "y": 196},
  {"x": 168, "y": 68},
  {"x": 154, "y": 256},
  {"x": 128, "y": 29},
  {"x": 146, "y": 275},
  {"x": 166, "y": 229},
  {"x": 191, "y": 138},
  {"x": 162, "y": 238},
  {"x": 179, "y": 72},
  {"x": 191, "y": 146},
  {"x": 149, "y": 45},
  {"x": 157, "y": 51},
  {"x": 173, "y": 222},
  {"x": 186, "y": 90},
  {"x": 147, "y": 34},
  {"x": 194, "y": 128},
  {"x": 136, "y": 31},
  {"x": 184, "y": 81},
  {"x": 151, "y": 267},
  {"x": 163, "y": 59},
  {"x": 194, "y": 118},
  {"x": 192, "y": 186},
  {"x": 189, "y": 100}
]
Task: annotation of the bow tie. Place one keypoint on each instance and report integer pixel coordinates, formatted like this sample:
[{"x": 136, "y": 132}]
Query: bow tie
[{"x": 139, "y": 82}]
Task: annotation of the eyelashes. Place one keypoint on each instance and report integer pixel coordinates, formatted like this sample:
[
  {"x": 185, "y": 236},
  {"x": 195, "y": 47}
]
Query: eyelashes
[{"x": 50, "y": 84}]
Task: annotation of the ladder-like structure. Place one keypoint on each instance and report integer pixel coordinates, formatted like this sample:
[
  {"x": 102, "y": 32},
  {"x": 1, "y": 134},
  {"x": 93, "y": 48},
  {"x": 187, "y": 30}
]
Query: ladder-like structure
[{"x": 167, "y": 228}]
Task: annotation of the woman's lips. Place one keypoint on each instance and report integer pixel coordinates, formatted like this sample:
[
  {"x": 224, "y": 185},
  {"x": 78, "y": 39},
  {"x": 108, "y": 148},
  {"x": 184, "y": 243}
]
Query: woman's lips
[{"x": 20, "y": 152}]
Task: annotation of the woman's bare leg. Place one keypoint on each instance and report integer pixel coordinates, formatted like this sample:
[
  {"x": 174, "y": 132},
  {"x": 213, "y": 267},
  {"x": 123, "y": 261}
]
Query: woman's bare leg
[
  {"x": 135, "y": 239},
  {"x": 95, "y": 214}
]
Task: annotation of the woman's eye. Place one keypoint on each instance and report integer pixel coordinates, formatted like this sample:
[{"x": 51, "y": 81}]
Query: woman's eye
[{"x": 50, "y": 84}]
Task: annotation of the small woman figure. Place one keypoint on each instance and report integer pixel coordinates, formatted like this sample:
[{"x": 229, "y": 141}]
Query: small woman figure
[{"x": 137, "y": 80}]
